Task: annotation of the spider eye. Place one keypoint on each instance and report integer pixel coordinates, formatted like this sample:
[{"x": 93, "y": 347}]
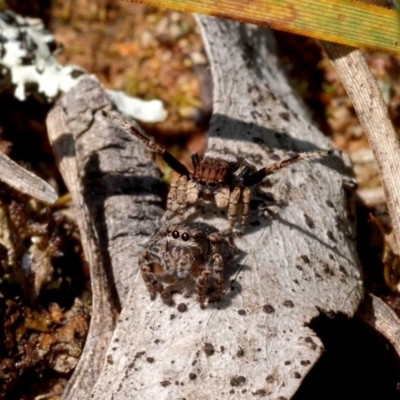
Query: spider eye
[
  {"x": 175, "y": 234},
  {"x": 185, "y": 236}
]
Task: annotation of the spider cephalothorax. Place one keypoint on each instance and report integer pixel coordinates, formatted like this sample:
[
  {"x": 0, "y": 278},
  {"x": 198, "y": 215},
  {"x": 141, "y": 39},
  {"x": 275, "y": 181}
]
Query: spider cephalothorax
[
  {"x": 185, "y": 255},
  {"x": 220, "y": 176}
]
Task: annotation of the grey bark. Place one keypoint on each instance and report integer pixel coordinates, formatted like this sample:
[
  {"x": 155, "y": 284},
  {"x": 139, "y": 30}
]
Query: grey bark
[
  {"x": 116, "y": 192},
  {"x": 297, "y": 259}
]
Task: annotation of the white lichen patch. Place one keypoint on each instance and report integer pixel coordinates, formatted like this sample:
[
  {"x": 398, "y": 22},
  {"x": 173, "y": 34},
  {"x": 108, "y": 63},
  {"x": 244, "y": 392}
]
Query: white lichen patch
[{"x": 28, "y": 66}]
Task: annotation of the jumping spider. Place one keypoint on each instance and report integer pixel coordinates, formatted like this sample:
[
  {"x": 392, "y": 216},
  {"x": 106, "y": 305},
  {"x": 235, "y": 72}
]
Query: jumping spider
[
  {"x": 191, "y": 255},
  {"x": 221, "y": 176}
]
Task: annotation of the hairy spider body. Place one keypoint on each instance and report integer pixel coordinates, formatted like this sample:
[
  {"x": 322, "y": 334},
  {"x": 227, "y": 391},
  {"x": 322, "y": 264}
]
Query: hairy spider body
[
  {"x": 189, "y": 255},
  {"x": 218, "y": 177}
]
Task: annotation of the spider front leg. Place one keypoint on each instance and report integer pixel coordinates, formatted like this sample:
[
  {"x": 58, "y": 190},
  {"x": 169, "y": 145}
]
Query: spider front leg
[
  {"x": 259, "y": 175},
  {"x": 135, "y": 130},
  {"x": 151, "y": 280}
]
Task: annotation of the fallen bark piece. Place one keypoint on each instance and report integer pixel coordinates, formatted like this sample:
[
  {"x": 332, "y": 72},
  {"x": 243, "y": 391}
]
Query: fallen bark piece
[
  {"x": 297, "y": 259},
  {"x": 116, "y": 192}
]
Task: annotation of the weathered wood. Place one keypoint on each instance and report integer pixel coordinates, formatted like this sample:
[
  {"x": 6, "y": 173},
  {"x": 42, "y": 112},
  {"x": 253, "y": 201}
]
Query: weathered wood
[
  {"x": 25, "y": 181},
  {"x": 296, "y": 261},
  {"x": 382, "y": 318},
  {"x": 372, "y": 112},
  {"x": 115, "y": 189}
]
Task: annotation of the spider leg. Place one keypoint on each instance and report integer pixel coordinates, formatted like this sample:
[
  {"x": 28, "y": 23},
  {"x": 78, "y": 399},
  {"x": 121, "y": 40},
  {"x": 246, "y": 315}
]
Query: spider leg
[
  {"x": 172, "y": 195},
  {"x": 201, "y": 285},
  {"x": 259, "y": 175},
  {"x": 192, "y": 191},
  {"x": 152, "y": 282},
  {"x": 233, "y": 205},
  {"x": 218, "y": 270},
  {"x": 246, "y": 194},
  {"x": 222, "y": 197},
  {"x": 135, "y": 130},
  {"x": 182, "y": 190},
  {"x": 195, "y": 159}
]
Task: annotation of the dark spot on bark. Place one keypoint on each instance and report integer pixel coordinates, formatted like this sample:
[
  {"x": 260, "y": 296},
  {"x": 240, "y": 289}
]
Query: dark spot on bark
[
  {"x": 240, "y": 353},
  {"x": 299, "y": 267},
  {"x": 222, "y": 348},
  {"x": 238, "y": 380},
  {"x": 194, "y": 363},
  {"x": 260, "y": 392},
  {"x": 150, "y": 359},
  {"x": 318, "y": 276},
  {"x": 305, "y": 259},
  {"x": 157, "y": 341},
  {"x": 182, "y": 307},
  {"x": 281, "y": 398},
  {"x": 329, "y": 203},
  {"x": 309, "y": 221},
  {"x": 192, "y": 376},
  {"x": 305, "y": 362},
  {"x": 165, "y": 383},
  {"x": 270, "y": 378},
  {"x": 139, "y": 354},
  {"x": 330, "y": 236},
  {"x": 297, "y": 375},
  {"x": 296, "y": 281},
  {"x": 242, "y": 312},
  {"x": 209, "y": 349},
  {"x": 284, "y": 116},
  {"x": 287, "y": 362},
  {"x": 288, "y": 303},
  {"x": 259, "y": 349},
  {"x": 267, "y": 308},
  {"x": 177, "y": 383},
  {"x": 172, "y": 316},
  {"x": 331, "y": 257},
  {"x": 343, "y": 270},
  {"x": 110, "y": 359},
  {"x": 328, "y": 270}
]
